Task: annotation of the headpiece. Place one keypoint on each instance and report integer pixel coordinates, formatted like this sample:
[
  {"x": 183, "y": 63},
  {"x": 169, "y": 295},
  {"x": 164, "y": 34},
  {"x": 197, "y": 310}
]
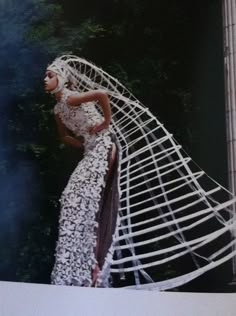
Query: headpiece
[
  {"x": 78, "y": 74},
  {"x": 63, "y": 72}
]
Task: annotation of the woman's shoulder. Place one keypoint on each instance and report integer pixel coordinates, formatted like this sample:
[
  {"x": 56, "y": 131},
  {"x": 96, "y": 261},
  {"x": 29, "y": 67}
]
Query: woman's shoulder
[
  {"x": 84, "y": 97},
  {"x": 59, "y": 106},
  {"x": 69, "y": 93}
]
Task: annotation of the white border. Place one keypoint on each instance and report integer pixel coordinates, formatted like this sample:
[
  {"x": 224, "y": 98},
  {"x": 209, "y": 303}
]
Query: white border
[{"x": 29, "y": 299}]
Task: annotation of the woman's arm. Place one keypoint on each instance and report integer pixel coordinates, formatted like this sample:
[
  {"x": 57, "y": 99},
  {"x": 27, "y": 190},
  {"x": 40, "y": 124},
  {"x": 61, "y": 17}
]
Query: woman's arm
[
  {"x": 94, "y": 95},
  {"x": 65, "y": 136}
]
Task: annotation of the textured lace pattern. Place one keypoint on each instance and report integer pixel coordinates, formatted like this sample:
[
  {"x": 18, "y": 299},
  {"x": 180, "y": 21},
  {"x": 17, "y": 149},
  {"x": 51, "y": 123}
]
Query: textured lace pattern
[{"x": 75, "y": 250}]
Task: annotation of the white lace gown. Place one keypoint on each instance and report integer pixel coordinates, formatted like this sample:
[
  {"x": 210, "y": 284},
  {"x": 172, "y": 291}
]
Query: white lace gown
[{"x": 75, "y": 250}]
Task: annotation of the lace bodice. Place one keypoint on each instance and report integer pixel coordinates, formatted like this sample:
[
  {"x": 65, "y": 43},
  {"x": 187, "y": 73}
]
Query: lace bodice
[{"x": 79, "y": 119}]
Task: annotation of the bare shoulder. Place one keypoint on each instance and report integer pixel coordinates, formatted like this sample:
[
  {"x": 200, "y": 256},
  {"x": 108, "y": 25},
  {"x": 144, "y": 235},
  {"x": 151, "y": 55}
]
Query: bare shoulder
[{"x": 92, "y": 95}]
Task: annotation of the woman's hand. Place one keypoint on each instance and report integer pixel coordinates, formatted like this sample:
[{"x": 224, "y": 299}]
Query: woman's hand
[
  {"x": 73, "y": 141},
  {"x": 97, "y": 128}
]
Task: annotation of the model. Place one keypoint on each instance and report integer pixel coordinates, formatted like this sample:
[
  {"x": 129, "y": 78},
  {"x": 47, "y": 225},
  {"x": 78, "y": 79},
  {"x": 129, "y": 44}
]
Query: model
[{"x": 136, "y": 201}]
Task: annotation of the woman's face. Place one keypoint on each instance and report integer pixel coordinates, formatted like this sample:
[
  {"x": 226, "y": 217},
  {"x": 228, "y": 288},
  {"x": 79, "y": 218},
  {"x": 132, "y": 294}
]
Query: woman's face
[{"x": 50, "y": 81}]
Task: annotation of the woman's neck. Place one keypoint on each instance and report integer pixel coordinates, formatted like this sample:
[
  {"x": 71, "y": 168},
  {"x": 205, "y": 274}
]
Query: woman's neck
[{"x": 58, "y": 95}]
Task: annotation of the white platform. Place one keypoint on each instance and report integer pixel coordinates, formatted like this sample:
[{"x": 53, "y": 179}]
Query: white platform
[{"x": 21, "y": 299}]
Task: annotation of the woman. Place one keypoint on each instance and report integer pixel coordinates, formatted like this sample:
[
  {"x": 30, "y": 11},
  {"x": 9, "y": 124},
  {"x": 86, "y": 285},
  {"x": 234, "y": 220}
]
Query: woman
[
  {"x": 169, "y": 210},
  {"x": 90, "y": 200}
]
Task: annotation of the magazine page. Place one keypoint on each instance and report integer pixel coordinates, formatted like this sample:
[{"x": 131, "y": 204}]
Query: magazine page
[{"x": 117, "y": 147}]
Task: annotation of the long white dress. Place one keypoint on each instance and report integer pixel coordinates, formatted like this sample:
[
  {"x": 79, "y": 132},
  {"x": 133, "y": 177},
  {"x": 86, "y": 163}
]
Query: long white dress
[{"x": 81, "y": 199}]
